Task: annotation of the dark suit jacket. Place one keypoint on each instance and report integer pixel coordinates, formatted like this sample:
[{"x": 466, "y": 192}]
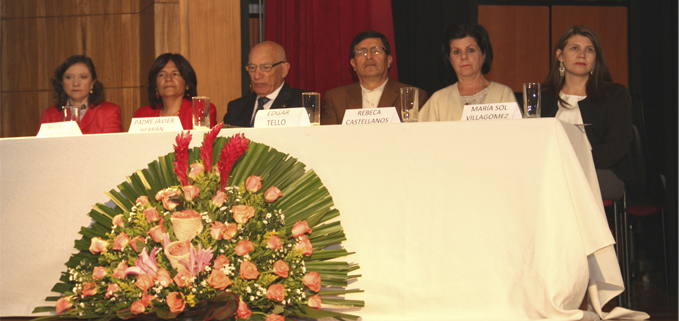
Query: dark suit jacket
[
  {"x": 239, "y": 111},
  {"x": 338, "y": 100},
  {"x": 104, "y": 118},
  {"x": 610, "y": 132}
]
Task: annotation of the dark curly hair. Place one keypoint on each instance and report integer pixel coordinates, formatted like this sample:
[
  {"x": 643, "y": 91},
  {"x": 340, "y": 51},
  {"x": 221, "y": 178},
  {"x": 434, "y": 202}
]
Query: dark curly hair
[
  {"x": 478, "y": 32},
  {"x": 97, "y": 94},
  {"x": 185, "y": 70}
]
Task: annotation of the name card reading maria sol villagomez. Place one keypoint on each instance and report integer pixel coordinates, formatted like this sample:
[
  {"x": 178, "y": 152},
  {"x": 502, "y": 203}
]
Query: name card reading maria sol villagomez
[
  {"x": 509, "y": 110},
  {"x": 155, "y": 124},
  {"x": 365, "y": 116}
]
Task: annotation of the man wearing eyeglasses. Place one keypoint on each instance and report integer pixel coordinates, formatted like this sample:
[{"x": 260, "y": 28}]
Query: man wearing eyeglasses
[
  {"x": 267, "y": 68},
  {"x": 371, "y": 62}
]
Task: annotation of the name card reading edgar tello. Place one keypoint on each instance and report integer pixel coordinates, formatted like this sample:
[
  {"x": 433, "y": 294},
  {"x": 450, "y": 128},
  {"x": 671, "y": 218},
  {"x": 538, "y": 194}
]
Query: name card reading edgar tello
[
  {"x": 364, "y": 116},
  {"x": 282, "y": 117},
  {"x": 509, "y": 110},
  {"x": 60, "y": 129},
  {"x": 155, "y": 124}
]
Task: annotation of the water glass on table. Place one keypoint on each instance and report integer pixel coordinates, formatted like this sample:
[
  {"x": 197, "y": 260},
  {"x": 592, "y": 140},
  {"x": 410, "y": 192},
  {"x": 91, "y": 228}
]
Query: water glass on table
[
  {"x": 531, "y": 100},
  {"x": 410, "y": 104},
  {"x": 201, "y": 112},
  {"x": 311, "y": 101},
  {"x": 71, "y": 113}
]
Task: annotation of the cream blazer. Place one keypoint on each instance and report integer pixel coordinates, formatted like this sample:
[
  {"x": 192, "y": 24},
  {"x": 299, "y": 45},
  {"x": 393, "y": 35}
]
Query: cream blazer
[{"x": 446, "y": 103}]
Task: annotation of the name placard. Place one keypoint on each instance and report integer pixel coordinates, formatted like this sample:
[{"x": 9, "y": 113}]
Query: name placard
[
  {"x": 64, "y": 128},
  {"x": 282, "y": 117},
  {"x": 381, "y": 115},
  {"x": 155, "y": 124},
  {"x": 509, "y": 110}
]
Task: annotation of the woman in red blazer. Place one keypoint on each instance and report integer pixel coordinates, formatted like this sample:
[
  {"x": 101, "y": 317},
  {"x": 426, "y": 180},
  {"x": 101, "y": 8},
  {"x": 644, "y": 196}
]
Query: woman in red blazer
[
  {"x": 172, "y": 83},
  {"x": 75, "y": 84}
]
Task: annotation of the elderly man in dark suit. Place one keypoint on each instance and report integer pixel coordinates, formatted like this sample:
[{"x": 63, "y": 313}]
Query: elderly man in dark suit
[
  {"x": 371, "y": 61},
  {"x": 267, "y": 68}
]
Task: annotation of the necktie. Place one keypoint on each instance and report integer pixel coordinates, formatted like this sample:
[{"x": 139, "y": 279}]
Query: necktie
[{"x": 261, "y": 101}]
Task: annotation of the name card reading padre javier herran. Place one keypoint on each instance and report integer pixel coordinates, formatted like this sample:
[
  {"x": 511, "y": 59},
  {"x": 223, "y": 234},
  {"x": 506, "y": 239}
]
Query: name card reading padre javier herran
[
  {"x": 365, "y": 116},
  {"x": 155, "y": 125},
  {"x": 60, "y": 129},
  {"x": 282, "y": 117},
  {"x": 509, "y": 110}
]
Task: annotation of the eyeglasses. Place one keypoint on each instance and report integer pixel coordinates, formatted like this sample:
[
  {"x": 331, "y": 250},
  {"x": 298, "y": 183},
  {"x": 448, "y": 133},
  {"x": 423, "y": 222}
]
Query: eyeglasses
[
  {"x": 263, "y": 67},
  {"x": 364, "y": 51}
]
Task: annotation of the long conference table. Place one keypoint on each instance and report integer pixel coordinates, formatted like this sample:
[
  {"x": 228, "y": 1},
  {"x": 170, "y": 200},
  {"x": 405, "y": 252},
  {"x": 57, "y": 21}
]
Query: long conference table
[{"x": 495, "y": 220}]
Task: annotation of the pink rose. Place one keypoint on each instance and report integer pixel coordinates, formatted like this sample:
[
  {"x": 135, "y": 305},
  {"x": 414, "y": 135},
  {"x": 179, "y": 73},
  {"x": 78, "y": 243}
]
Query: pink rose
[
  {"x": 119, "y": 271},
  {"x": 64, "y": 304},
  {"x": 175, "y": 301},
  {"x": 111, "y": 289},
  {"x": 151, "y": 214},
  {"x": 216, "y": 230},
  {"x": 133, "y": 242},
  {"x": 98, "y": 245},
  {"x": 157, "y": 233},
  {"x": 219, "y": 198},
  {"x": 144, "y": 282},
  {"x": 281, "y": 269},
  {"x": 121, "y": 241},
  {"x": 244, "y": 247},
  {"x": 253, "y": 184},
  {"x": 304, "y": 245},
  {"x": 147, "y": 299},
  {"x": 183, "y": 278},
  {"x": 219, "y": 280},
  {"x": 315, "y": 302},
  {"x": 300, "y": 228},
  {"x": 313, "y": 281},
  {"x": 118, "y": 220},
  {"x": 243, "y": 311},
  {"x": 142, "y": 200},
  {"x": 190, "y": 192},
  {"x": 275, "y": 317},
  {"x": 248, "y": 270},
  {"x": 196, "y": 169},
  {"x": 90, "y": 288},
  {"x": 274, "y": 242},
  {"x": 221, "y": 261},
  {"x": 179, "y": 248},
  {"x": 163, "y": 277},
  {"x": 160, "y": 195},
  {"x": 170, "y": 198},
  {"x": 98, "y": 272},
  {"x": 137, "y": 307},
  {"x": 272, "y": 194},
  {"x": 230, "y": 231},
  {"x": 276, "y": 292},
  {"x": 242, "y": 213}
]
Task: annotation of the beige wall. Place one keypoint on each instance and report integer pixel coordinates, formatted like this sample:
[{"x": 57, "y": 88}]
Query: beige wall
[{"x": 122, "y": 37}]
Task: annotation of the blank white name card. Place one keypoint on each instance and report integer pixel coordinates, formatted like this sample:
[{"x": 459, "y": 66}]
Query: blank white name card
[
  {"x": 364, "y": 116},
  {"x": 60, "y": 129},
  {"x": 509, "y": 110},
  {"x": 282, "y": 117},
  {"x": 155, "y": 124}
]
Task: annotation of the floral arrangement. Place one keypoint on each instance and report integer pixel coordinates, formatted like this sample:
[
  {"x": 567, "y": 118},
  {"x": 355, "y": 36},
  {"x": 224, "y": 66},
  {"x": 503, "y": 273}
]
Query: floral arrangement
[{"x": 183, "y": 242}]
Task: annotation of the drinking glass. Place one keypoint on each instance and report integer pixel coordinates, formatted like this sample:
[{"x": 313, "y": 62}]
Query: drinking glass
[
  {"x": 410, "y": 104},
  {"x": 71, "y": 113},
  {"x": 201, "y": 112},
  {"x": 312, "y": 102},
  {"x": 531, "y": 100}
]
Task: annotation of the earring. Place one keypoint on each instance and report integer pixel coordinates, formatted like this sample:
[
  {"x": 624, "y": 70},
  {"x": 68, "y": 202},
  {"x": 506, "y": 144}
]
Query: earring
[
  {"x": 562, "y": 69},
  {"x": 591, "y": 72},
  {"x": 157, "y": 96},
  {"x": 91, "y": 91}
]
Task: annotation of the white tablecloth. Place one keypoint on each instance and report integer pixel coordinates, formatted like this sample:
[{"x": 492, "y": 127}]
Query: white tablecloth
[{"x": 449, "y": 221}]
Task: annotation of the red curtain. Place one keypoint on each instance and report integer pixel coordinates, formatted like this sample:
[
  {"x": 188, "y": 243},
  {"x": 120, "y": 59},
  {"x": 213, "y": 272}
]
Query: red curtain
[{"x": 317, "y": 35}]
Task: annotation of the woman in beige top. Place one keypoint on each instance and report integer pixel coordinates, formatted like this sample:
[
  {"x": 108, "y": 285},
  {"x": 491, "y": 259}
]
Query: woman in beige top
[{"x": 467, "y": 48}]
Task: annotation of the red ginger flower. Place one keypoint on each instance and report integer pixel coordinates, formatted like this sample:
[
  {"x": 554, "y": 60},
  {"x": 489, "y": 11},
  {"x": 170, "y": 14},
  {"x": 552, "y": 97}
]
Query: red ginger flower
[
  {"x": 208, "y": 145},
  {"x": 181, "y": 157},
  {"x": 232, "y": 151}
]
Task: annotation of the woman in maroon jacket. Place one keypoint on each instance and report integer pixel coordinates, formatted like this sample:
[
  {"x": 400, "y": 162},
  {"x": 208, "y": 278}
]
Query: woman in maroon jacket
[
  {"x": 172, "y": 83},
  {"x": 75, "y": 84}
]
